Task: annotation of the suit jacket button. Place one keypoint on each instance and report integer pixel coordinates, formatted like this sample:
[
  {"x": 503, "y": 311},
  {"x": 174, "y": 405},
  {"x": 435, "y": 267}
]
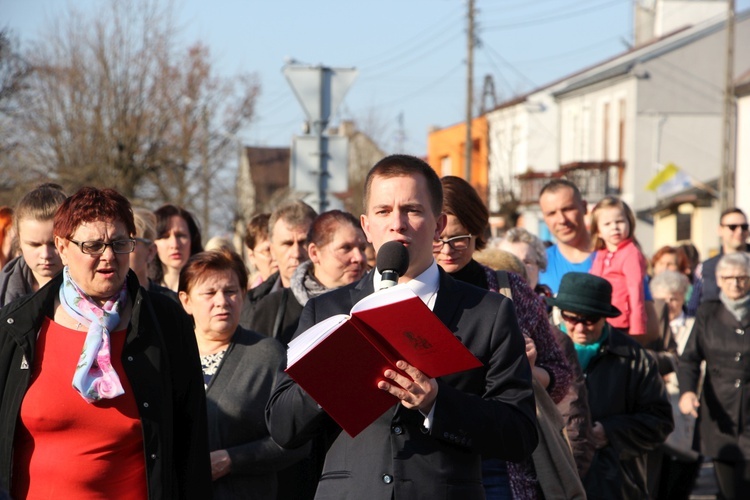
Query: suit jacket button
[
  {"x": 739, "y": 331},
  {"x": 737, "y": 383},
  {"x": 397, "y": 430},
  {"x": 387, "y": 478}
]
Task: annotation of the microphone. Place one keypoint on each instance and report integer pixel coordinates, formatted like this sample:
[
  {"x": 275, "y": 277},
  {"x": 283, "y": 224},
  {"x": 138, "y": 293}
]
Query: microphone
[{"x": 392, "y": 262}]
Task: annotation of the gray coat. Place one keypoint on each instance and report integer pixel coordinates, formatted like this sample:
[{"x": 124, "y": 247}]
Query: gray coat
[
  {"x": 16, "y": 281},
  {"x": 236, "y": 398}
]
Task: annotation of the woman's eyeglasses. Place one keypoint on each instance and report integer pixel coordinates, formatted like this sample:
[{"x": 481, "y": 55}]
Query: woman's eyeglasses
[
  {"x": 456, "y": 243},
  {"x": 584, "y": 320},
  {"x": 98, "y": 247}
]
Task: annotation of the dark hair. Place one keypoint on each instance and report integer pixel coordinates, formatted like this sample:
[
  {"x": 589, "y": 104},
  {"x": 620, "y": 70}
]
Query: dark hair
[
  {"x": 257, "y": 230},
  {"x": 90, "y": 204},
  {"x": 212, "y": 261},
  {"x": 683, "y": 264},
  {"x": 732, "y": 210},
  {"x": 611, "y": 202},
  {"x": 556, "y": 185},
  {"x": 163, "y": 215},
  {"x": 693, "y": 256},
  {"x": 295, "y": 213},
  {"x": 324, "y": 226},
  {"x": 165, "y": 212},
  {"x": 406, "y": 165},
  {"x": 40, "y": 203},
  {"x": 461, "y": 200}
]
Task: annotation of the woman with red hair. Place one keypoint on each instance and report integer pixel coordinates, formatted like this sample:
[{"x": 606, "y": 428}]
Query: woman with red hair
[
  {"x": 100, "y": 396},
  {"x": 6, "y": 234}
]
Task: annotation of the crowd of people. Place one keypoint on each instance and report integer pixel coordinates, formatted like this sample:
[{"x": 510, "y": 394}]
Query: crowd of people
[{"x": 137, "y": 363}]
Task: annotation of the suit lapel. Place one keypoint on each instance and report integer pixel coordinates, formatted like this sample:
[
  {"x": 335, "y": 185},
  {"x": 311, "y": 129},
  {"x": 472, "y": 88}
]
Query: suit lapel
[
  {"x": 364, "y": 288},
  {"x": 448, "y": 301}
]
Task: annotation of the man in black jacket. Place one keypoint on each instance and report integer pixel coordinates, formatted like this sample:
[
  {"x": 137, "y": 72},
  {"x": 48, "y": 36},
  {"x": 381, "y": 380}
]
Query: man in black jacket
[
  {"x": 734, "y": 232},
  {"x": 431, "y": 442},
  {"x": 628, "y": 401},
  {"x": 287, "y": 232}
]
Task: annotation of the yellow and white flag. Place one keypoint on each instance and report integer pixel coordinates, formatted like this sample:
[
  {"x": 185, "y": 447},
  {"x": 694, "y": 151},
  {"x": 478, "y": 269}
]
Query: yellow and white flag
[{"x": 669, "y": 171}]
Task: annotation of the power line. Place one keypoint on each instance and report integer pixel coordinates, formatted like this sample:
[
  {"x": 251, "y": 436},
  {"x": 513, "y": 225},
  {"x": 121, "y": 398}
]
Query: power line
[
  {"x": 420, "y": 90},
  {"x": 528, "y": 80},
  {"x": 526, "y": 5},
  {"x": 415, "y": 57},
  {"x": 409, "y": 45},
  {"x": 553, "y": 18},
  {"x": 571, "y": 52}
]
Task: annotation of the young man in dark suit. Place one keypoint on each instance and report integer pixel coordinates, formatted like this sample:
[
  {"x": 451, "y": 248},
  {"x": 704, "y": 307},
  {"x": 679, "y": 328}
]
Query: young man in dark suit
[{"x": 430, "y": 444}]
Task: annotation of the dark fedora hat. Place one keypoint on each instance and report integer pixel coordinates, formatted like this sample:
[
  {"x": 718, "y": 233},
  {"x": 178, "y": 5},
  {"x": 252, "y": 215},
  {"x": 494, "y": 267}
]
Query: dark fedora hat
[{"x": 586, "y": 294}]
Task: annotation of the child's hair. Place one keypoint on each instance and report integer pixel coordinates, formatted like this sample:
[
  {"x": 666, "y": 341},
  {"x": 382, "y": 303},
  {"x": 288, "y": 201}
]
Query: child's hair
[{"x": 611, "y": 202}]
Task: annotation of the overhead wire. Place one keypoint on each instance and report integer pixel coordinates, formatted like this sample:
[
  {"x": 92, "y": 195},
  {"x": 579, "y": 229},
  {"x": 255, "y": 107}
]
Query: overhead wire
[
  {"x": 553, "y": 18},
  {"x": 406, "y": 46}
]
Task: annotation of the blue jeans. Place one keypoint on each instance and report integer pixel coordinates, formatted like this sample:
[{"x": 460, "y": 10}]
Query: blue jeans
[{"x": 495, "y": 479}]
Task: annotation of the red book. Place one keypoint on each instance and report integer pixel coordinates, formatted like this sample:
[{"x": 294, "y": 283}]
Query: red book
[{"x": 340, "y": 360}]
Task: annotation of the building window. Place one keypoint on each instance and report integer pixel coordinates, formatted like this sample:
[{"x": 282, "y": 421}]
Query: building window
[{"x": 683, "y": 226}]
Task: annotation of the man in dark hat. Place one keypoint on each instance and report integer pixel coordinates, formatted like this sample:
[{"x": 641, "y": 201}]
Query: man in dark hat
[{"x": 628, "y": 401}]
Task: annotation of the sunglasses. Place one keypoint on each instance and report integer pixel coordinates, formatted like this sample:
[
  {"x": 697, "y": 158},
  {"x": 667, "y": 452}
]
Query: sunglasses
[
  {"x": 584, "y": 320},
  {"x": 733, "y": 227}
]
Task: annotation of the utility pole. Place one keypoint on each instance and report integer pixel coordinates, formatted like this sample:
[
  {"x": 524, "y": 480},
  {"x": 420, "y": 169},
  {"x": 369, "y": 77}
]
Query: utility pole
[
  {"x": 468, "y": 147},
  {"x": 726, "y": 181}
]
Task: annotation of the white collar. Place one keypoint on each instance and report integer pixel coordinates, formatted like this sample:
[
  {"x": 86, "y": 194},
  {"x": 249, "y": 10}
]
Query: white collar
[{"x": 425, "y": 285}]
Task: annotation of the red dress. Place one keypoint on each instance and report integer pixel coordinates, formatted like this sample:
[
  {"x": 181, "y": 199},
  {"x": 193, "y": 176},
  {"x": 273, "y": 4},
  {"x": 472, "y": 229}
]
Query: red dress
[{"x": 65, "y": 447}]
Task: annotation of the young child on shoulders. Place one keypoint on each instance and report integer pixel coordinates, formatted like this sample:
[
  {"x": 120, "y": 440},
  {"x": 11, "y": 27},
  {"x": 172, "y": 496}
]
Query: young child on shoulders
[{"x": 620, "y": 261}]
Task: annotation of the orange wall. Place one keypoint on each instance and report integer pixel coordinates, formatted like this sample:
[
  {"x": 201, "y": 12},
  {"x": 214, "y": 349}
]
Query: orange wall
[{"x": 449, "y": 142}]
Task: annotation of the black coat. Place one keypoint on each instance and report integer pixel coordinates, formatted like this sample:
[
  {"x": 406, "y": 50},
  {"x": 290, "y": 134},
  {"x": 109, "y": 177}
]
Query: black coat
[
  {"x": 722, "y": 342},
  {"x": 276, "y": 315},
  {"x": 627, "y": 396},
  {"x": 161, "y": 364},
  {"x": 253, "y": 297},
  {"x": 489, "y": 410}
]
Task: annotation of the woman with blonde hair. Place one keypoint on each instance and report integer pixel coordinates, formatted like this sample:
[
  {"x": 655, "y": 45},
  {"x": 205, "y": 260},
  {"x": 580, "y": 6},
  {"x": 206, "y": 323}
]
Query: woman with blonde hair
[{"x": 39, "y": 260}]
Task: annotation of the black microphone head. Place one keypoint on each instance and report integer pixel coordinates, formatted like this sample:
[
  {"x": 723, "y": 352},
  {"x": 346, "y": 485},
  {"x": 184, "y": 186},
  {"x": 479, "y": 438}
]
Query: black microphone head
[{"x": 393, "y": 256}]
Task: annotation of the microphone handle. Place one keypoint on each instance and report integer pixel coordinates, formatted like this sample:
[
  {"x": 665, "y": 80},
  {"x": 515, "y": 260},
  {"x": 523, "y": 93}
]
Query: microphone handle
[{"x": 388, "y": 279}]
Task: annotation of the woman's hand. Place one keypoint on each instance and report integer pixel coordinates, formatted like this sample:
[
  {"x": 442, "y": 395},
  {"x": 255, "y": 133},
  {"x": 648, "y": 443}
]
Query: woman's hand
[
  {"x": 530, "y": 350},
  {"x": 221, "y": 464},
  {"x": 689, "y": 404},
  {"x": 539, "y": 373}
]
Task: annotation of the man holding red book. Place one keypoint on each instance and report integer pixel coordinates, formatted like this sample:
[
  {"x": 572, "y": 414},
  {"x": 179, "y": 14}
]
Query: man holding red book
[{"x": 431, "y": 443}]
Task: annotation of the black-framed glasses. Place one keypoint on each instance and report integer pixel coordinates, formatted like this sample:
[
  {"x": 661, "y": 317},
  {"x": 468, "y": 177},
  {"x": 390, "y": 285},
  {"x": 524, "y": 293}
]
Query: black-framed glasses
[
  {"x": 98, "y": 247},
  {"x": 584, "y": 320},
  {"x": 145, "y": 241},
  {"x": 456, "y": 243},
  {"x": 733, "y": 227},
  {"x": 740, "y": 280}
]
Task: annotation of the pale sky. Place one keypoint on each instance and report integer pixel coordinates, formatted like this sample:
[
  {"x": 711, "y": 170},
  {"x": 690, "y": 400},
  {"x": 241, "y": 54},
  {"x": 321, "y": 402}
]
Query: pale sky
[{"x": 410, "y": 54}]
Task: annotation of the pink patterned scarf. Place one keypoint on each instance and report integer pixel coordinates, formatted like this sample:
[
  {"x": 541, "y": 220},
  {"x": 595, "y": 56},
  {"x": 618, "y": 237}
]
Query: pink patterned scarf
[{"x": 94, "y": 378}]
